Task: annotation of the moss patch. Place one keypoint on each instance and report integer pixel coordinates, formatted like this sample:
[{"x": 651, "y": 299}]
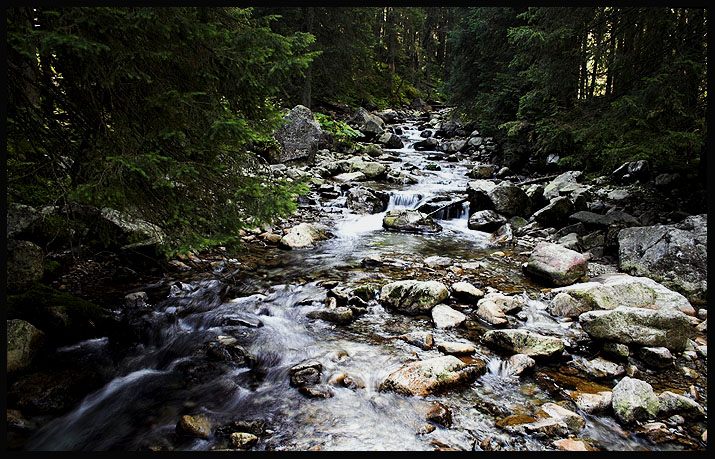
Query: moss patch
[{"x": 63, "y": 317}]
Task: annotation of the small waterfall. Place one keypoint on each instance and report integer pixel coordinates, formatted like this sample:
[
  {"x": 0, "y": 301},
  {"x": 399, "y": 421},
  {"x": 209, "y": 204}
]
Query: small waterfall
[
  {"x": 453, "y": 212},
  {"x": 405, "y": 200}
]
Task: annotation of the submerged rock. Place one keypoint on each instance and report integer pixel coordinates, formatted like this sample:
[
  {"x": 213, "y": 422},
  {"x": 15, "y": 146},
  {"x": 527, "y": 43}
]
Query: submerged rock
[
  {"x": 194, "y": 426},
  {"x": 425, "y": 377}
]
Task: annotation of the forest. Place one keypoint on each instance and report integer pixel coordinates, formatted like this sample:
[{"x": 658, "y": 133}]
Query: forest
[
  {"x": 153, "y": 108},
  {"x": 356, "y": 228}
]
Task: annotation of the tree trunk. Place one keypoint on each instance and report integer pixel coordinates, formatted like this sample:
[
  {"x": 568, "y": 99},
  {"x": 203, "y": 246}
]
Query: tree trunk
[{"x": 305, "y": 97}]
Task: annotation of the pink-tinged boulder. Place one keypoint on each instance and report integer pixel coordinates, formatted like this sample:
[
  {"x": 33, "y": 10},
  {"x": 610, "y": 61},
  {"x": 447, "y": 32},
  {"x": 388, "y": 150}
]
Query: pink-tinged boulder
[{"x": 556, "y": 265}]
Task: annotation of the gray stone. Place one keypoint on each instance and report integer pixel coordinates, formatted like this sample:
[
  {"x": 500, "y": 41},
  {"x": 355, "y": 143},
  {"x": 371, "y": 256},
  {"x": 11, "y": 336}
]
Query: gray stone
[
  {"x": 410, "y": 221},
  {"x": 521, "y": 341},
  {"x": 445, "y": 317},
  {"x": 365, "y": 201},
  {"x": 594, "y": 403},
  {"x": 601, "y": 368},
  {"x": 656, "y": 357},
  {"x": 23, "y": 344},
  {"x": 556, "y": 213},
  {"x": 634, "y": 400},
  {"x": 24, "y": 264},
  {"x": 519, "y": 363},
  {"x": 465, "y": 291},
  {"x": 423, "y": 340},
  {"x": 340, "y": 315},
  {"x": 611, "y": 290},
  {"x": 413, "y": 297},
  {"x": 493, "y": 308},
  {"x": 644, "y": 327},
  {"x": 674, "y": 255},
  {"x": 485, "y": 220},
  {"x": 671, "y": 404},
  {"x": 298, "y": 138}
]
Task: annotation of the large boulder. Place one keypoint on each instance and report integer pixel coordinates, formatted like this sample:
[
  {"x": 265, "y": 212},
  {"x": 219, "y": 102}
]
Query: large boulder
[
  {"x": 390, "y": 140},
  {"x": 132, "y": 231},
  {"x": 370, "y": 125},
  {"x": 23, "y": 344},
  {"x": 303, "y": 235},
  {"x": 522, "y": 341},
  {"x": 634, "y": 400},
  {"x": 20, "y": 218},
  {"x": 371, "y": 169},
  {"x": 556, "y": 213},
  {"x": 425, "y": 377},
  {"x": 24, "y": 264},
  {"x": 639, "y": 326},
  {"x": 611, "y": 290},
  {"x": 674, "y": 255},
  {"x": 555, "y": 264},
  {"x": 365, "y": 201},
  {"x": 410, "y": 221},
  {"x": 564, "y": 184},
  {"x": 298, "y": 137},
  {"x": 413, "y": 297},
  {"x": 504, "y": 198}
]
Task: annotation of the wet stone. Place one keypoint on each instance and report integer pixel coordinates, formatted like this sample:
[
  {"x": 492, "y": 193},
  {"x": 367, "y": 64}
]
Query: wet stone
[
  {"x": 440, "y": 415},
  {"x": 423, "y": 340},
  {"x": 304, "y": 373},
  {"x": 194, "y": 426},
  {"x": 656, "y": 357},
  {"x": 316, "y": 391},
  {"x": 243, "y": 440}
]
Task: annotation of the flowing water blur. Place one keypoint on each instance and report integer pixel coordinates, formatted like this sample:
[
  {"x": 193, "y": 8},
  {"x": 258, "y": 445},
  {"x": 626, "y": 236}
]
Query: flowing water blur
[{"x": 167, "y": 376}]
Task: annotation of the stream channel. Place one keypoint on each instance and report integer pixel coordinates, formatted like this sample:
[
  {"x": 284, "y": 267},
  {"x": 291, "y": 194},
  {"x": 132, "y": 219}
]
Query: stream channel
[{"x": 166, "y": 375}]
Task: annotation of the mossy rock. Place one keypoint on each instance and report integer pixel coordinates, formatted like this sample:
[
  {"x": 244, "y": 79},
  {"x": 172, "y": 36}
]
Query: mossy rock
[{"x": 64, "y": 318}]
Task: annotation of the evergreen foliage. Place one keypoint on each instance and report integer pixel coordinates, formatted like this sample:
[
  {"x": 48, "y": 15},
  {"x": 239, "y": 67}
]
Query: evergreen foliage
[{"x": 149, "y": 110}]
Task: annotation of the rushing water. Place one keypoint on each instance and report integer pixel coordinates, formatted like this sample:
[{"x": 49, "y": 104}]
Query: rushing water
[{"x": 167, "y": 376}]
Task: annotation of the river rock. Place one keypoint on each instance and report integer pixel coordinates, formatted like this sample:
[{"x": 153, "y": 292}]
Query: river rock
[
  {"x": 243, "y": 440},
  {"x": 423, "y": 340},
  {"x": 390, "y": 140},
  {"x": 565, "y": 305},
  {"x": 555, "y": 264},
  {"x": 428, "y": 144},
  {"x": 317, "y": 391},
  {"x": 24, "y": 264},
  {"x": 303, "y": 235},
  {"x": 563, "y": 184},
  {"x": 485, "y": 220},
  {"x": 510, "y": 200},
  {"x": 445, "y": 317},
  {"x": 574, "y": 422},
  {"x": 519, "y": 363},
  {"x": 370, "y": 125},
  {"x": 365, "y": 201},
  {"x": 674, "y": 255},
  {"x": 351, "y": 177},
  {"x": 455, "y": 348},
  {"x": 298, "y": 138},
  {"x": 413, "y": 297},
  {"x": 464, "y": 291},
  {"x": 611, "y": 290},
  {"x": 439, "y": 414},
  {"x": 671, "y": 404},
  {"x": 598, "y": 221},
  {"x": 556, "y": 213},
  {"x": 502, "y": 236},
  {"x": 571, "y": 444},
  {"x": 410, "y": 221},
  {"x": 20, "y": 218},
  {"x": 644, "y": 327},
  {"x": 522, "y": 341},
  {"x": 656, "y": 357},
  {"x": 600, "y": 368},
  {"x": 634, "y": 400},
  {"x": 194, "y": 426},
  {"x": 597, "y": 403},
  {"x": 436, "y": 261},
  {"x": 341, "y": 315},
  {"x": 371, "y": 169},
  {"x": 23, "y": 343},
  {"x": 493, "y": 308},
  {"x": 425, "y": 377},
  {"x": 305, "y": 373}
]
